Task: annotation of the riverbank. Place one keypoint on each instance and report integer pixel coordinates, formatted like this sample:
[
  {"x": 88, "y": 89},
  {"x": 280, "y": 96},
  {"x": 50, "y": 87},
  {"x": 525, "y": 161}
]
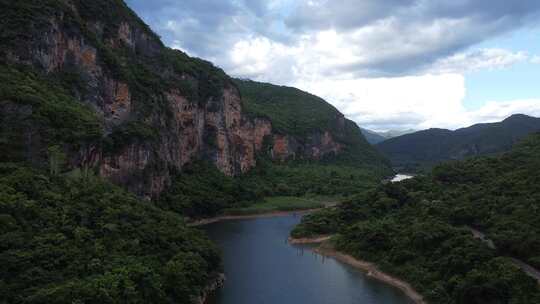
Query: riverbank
[
  {"x": 214, "y": 284},
  {"x": 221, "y": 218},
  {"x": 371, "y": 269},
  {"x": 315, "y": 240},
  {"x": 271, "y": 207}
]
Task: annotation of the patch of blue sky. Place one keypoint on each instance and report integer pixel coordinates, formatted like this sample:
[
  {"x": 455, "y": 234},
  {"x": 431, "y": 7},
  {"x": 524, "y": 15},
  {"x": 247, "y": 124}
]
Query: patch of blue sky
[{"x": 520, "y": 81}]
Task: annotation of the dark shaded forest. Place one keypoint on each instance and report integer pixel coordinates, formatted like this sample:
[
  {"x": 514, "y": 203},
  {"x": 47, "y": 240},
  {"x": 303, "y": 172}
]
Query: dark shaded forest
[{"x": 78, "y": 239}]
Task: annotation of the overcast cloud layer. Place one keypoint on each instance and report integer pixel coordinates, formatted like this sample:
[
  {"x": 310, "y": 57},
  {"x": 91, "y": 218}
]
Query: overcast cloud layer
[{"x": 384, "y": 63}]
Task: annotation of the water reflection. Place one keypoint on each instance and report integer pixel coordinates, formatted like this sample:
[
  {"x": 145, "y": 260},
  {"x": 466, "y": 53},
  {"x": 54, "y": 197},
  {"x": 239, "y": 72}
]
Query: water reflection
[
  {"x": 400, "y": 177},
  {"x": 262, "y": 268}
]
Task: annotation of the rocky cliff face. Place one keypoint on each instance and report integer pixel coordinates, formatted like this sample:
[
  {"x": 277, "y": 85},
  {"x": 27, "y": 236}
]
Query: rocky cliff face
[
  {"x": 186, "y": 123},
  {"x": 317, "y": 145}
]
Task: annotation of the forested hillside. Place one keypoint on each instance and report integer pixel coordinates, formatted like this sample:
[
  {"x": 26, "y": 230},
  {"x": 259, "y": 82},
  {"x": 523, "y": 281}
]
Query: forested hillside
[
  {"x": 79, "y": 239},
  {"x": 420, "y": 229},
  {"x": 109, "y": 140},
  {"x": 308, "y": 118},
  {"x": 424, "y": 149},
  {"x": 373, "y": 137},
  {"x": 89, "y": 86},
  {"x": 315, "y": 151}
]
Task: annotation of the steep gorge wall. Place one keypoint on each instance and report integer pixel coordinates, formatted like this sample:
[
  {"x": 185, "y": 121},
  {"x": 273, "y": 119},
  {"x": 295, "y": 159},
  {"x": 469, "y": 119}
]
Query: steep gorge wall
[{"x": 185, "y": 130}]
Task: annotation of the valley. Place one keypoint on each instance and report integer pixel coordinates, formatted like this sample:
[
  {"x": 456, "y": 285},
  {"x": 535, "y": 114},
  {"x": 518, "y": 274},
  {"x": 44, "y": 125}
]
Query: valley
[
  {"x": 420, "y": 151},
  {"x": 416, "y": 229},
  {"x": 133, "y": 171},
  {"x": 260, "y": 266}
]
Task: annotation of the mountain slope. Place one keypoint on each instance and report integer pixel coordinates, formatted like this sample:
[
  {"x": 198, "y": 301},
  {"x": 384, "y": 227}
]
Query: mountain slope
[
  {"x": 312, "y": 150},
  {"x": 83, "y": 240},
  {"x": 89, "y": 95},
  {"x": 373, "y": 137},
  {"x": 420, "y": 229},
  {"x": 428, "y": 147},
  {"x": 377, "y": 137},
  {"x": 96, "y": 86},
  {"x": 307, "y": 125},
  {"x": 395, "y": 133}
]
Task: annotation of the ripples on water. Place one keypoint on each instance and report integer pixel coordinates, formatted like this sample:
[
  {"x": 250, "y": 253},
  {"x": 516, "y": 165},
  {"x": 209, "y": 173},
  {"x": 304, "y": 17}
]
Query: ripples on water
[{"x": 262, "y": 268}]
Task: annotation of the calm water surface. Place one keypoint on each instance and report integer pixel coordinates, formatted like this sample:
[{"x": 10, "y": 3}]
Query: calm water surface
[
  {"x": 401, "y": 177},
  {"x": 261, "y": 268}
]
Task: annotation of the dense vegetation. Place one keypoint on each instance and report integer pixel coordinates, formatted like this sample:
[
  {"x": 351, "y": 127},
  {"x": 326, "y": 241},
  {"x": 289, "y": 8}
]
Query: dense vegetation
[
  {"x": 77, "y": 239},
  {"x": 300, "y": 114},
  {"x": 201, "y": 190},
  {"x": 68, "y": 236},
  {"x": 291, "y": 110},
  {"x": 29, "y": 101},
  {"x": 424, "y": 149},
  {"x": 419, "y": 229},
  {"x": 149, "y": 69},
  {"x": 285, "y": 203}
]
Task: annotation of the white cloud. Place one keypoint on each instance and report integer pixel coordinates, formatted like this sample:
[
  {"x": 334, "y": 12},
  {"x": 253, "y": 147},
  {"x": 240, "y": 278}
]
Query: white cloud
[
  {"x": 494, "y": 111},
  {"x": 380, "y": 38},
  {"x": 387, "y": 64},
  {"x": 404, "y": 102},
  {"x": 262, "y": 59},
  {"x": 420, "y": 102},
  {"x": 535, "y": 59},
  {"x": 432, "y": 99},
  {"x": 489, "y": 59}
]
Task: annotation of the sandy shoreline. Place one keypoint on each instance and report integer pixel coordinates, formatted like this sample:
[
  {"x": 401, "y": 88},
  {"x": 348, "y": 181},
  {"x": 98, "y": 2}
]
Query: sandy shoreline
[
  {"x": 370, "y": 268},
  {"x": 316, "y": 240},
  {"x": 216, "y": 219}
]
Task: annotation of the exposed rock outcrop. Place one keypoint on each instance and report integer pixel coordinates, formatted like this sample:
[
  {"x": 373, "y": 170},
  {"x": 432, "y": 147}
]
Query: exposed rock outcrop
[
  {"x": 187, "y": 123},
  {"x": 317, "y": 146}
]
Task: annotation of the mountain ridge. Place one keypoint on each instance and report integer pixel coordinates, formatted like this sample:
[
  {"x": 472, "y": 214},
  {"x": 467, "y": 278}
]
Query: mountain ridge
[
  {"x": 152, "y": 109},
  {"x": 374, "y": 137},
  {"x": 111, "y": 141},
  {"x": 428, "y": 147},
  {"x": 425, "y": 229}
]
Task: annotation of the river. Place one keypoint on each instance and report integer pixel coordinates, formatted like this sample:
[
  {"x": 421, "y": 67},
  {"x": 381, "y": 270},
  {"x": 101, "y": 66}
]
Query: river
[
  {"x": 400, "y": 177},
  {"x": 261, "y": 267}
]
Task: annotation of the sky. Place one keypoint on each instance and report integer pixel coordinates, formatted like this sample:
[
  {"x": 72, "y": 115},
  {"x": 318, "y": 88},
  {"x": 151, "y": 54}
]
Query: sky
[{"x": 386, "y": 64}]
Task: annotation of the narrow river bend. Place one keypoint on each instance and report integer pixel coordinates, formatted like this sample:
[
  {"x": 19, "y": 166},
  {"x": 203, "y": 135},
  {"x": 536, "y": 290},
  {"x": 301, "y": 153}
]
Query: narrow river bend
[{"x": 261, "y": 267}]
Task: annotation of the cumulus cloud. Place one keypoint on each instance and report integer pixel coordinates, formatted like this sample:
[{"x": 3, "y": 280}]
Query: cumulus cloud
[
  {"x": 494, "y": 111},
  {"x": 418, "y": 102},
  {"x": 208, "y": 28},
  {"x": 535, "y": 59},
  {"x": 413, "y": 102},
  {"x": 383, "y": 37},
  {"x": 350, "y": 14},
  {"x": 387, "y": 64},
  {"x": 342, "y": 14},
  {"x": 475, "y": 60},
  {"x": 395, "y": 38},
  {"x": 431, "y": 99}
]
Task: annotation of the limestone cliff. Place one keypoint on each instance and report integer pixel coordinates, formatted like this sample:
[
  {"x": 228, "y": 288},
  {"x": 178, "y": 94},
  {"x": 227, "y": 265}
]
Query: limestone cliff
[{"x": 158, "y": 109}]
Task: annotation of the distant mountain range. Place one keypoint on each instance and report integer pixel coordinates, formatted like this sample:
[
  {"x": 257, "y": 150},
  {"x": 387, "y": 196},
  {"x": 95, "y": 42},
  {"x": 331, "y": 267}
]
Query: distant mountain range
[
  {"x": 374, "y": 137},
  {"x": 422, "y": 149}
]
